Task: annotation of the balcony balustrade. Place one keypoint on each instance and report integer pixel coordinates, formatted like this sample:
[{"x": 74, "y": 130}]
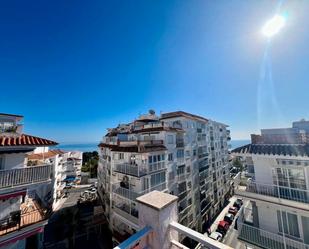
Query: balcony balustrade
[
  {"x": 22, "y": 176},
  {"x": 292, "y": 194},
  {"x": 131, "y": 169},
  {"x": 265, "y": 239},
  {"x": 29, "y": 214}
]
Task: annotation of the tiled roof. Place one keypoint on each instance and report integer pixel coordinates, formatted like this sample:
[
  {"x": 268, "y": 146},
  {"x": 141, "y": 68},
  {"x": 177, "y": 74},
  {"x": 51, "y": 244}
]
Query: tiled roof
[
  {"x": 182, "y": 114},
  {"x": 135, "y": 148},
  {"x": 274, "y": 149},
  {"x": 49, "y": 154},
  {"x": 24, "y": 140}
]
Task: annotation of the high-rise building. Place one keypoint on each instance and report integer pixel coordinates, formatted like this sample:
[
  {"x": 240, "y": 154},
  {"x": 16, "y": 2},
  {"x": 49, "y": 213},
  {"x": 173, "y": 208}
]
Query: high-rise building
[
  {"x": 278, "y": 188},
  {"x": 23, "y": 214},
  {"x": 179, "y": 153}
]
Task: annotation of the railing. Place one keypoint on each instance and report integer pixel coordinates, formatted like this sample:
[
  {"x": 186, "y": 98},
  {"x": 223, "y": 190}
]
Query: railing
[
  {"x": 134, "y": 240},
  {"x": 130, "y": 169},
  {"x": 156, "y": 166},
  {"x": 27, "y": 175},
  {"x": 131, "y": 194},
  {"x": 127, "y": 193},
  {"x": 293, "y": 194},
  {"x": 180, "y": 143},
  {"x": 265, "y": 239},
  {"x": 12, "y": 224},
  {"x": 127, "y": 212}
]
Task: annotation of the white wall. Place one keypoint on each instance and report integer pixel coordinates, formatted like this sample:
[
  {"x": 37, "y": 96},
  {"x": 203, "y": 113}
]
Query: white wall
[{"x": 14, "y": 160}]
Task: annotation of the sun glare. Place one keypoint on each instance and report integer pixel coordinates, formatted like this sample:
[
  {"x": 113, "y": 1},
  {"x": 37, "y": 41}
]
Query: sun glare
[{"x": 274, "y": 25}]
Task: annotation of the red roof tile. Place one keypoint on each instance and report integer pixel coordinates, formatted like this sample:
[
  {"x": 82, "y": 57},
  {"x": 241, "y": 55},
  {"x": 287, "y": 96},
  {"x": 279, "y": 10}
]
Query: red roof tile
[{"x": 24, "y": 140}]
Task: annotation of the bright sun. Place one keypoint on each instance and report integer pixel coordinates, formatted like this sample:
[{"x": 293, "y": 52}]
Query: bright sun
[{"x": 274, "y": 25}]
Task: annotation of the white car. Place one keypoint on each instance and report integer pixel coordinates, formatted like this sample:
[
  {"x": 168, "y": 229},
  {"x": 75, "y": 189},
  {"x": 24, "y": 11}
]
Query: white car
[{"x": 216, "y": 236}]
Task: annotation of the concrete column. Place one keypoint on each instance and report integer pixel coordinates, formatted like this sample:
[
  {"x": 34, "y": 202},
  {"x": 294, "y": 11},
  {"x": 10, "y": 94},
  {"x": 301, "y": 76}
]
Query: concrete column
[{"x": 157, "y": 210}]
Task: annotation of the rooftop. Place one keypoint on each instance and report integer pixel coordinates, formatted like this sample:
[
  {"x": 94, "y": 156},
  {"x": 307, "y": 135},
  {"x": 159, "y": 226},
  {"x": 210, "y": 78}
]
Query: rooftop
[
  {"x": 275, "y": 149},
  {"x": 49, "y": 154},
  {"x": 183, "y": 114},
  {"x": 157, "y": 199},
  {"x": 24, "y": 140}
]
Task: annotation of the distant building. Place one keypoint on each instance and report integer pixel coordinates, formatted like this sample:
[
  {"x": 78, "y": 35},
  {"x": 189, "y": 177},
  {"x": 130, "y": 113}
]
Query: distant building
[
  {"x": 297, "y": 134},
  {"x": 23, "y": 213},
  {"x": 179, "y": 153},
  {"x": 278, "y": 161},
  {"x": 67, "y": 169}
]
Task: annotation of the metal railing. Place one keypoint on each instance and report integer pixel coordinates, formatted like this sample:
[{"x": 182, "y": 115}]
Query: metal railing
[
  {"x": 265, "y": 239},
  {"x": 131, "y": 169},
  {"x": 293, "y": 194},
  {"x": 131, "y": 194},
  {"x": 27, "y": 175},
  {"x": 157, "y": 166},
  {"x": 11, "y": 224}
]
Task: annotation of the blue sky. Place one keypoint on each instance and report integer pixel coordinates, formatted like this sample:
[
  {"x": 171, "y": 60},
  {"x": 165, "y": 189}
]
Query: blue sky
[{"x": 74, "y": 68}]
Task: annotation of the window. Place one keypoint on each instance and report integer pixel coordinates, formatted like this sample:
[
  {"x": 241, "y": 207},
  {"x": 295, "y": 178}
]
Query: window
[
  {"x": 170, "y": 157},
  {"x": 288, "y": 223},
  {"x": 181, "y": 170},
  {"x": 121, "y": 156},
  {"x": 170, "y": 139},
  {"x": 180, "y": 154},
  {"x": 158, "y": 178}
]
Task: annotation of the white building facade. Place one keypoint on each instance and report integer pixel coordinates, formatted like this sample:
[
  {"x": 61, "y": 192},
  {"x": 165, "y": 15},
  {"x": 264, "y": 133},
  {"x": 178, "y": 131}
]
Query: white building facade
[
  {"x": 178, "y": 153},
  {"x": 278, "y": 191},
  {"x": 23, "y": 213}
]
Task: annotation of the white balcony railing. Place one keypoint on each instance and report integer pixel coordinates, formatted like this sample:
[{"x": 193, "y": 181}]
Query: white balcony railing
[
  {"x": 299, "y": 195},
  {"x": 131, "y": 169},
  {"x": 22, "y": 176},
  {"x": 265, "y": 239}
]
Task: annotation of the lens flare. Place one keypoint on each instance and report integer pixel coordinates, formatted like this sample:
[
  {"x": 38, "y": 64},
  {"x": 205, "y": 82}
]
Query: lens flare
[{"x": 274, "y": 25}]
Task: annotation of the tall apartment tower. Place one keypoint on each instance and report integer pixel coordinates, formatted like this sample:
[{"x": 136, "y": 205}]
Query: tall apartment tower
[
  {"x": 178, "y": 153},
  {"x": 278, "y": 213},
  {"x": 23, "y": 214}
]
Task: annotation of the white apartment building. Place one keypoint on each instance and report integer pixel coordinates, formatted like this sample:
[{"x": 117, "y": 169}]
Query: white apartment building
[
  {"x": 278, "y": 191},
  {"x": 23, "y": 213},
  {"x": 67, "y": 169},
  {"x": 179, "y": 153}
]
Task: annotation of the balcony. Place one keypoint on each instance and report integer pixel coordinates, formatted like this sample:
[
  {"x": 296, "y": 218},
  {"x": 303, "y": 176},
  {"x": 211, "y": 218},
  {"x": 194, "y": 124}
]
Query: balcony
[
  {"x": 24, "y": 176},
  {"x": 29, "y": 214},
  {"x": 280, "y": 193},
  {"x": 131, "y": 194},
  {"x": 156, "y": 166},
  {"x": 131, "y": 169},
  {"x": 265, "y": 239}
]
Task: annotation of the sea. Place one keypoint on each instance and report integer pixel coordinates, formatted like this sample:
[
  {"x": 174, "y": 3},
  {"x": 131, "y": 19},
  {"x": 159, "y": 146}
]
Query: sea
[{"x": 89, "y": 147}]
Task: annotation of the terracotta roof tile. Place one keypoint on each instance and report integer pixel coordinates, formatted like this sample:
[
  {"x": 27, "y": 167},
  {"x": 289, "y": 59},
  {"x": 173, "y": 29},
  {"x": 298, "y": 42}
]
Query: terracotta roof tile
[
  {"x": 24, "y": 140},
  {"x": 45, "y": 155},
  {"x": 182, "y": 114}
]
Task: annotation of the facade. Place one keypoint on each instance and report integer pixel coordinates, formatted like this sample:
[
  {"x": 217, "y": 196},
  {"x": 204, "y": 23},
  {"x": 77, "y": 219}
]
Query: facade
[
  {"x": 178, "y": 153},
  {"x": 23, "y": 213},
  {"x": 67, "y": 169},
  {"x": 278, "y": 214}
]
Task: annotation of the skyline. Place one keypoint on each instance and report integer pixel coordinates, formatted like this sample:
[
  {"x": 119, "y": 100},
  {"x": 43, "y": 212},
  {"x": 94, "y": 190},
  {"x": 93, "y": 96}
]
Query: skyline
[{"x": 73, "y": 70}]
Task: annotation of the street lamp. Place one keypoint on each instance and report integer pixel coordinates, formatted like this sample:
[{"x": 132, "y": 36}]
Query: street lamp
[{"x": 274, "y": 25}]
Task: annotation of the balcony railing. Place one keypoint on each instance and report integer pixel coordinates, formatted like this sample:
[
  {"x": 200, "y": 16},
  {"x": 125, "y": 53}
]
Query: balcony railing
[
  {"x": 265, "y": 239},
  {"x": 23, "y": 218},
  {"x": 131, "y": 169},
  {"x": 22, "y": 176},
  {"x": 131, "y": 194},
  {"x": 293, "y": 194},
  {"x": 157, "y": 166}
]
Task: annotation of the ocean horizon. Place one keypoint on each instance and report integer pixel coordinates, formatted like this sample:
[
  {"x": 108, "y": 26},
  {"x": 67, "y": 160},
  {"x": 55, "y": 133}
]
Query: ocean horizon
[{"x": 89, "y": 147}]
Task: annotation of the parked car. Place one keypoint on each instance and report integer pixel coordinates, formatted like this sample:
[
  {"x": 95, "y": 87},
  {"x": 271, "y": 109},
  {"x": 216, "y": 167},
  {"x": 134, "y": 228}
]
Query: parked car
[
  {"x": 237, "y": 204},
  {"x": 240, "y": 200},
  {"x": 229, "y": 218},
  {"x": 223, "y": 227},
  {"x": 216, "y": 236},
  {"x": 233, "y": 210}
]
